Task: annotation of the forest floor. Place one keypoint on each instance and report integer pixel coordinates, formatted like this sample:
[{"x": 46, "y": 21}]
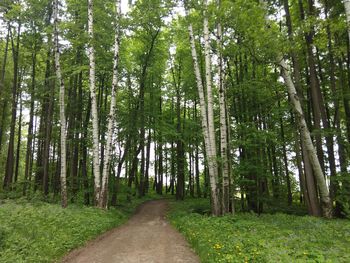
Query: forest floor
[
  {"x": 146, "y": 237},
  {"x": 265, "y": 238}
]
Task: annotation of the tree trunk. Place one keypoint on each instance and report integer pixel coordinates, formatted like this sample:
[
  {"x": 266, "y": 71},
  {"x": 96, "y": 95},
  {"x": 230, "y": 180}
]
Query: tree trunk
[
  {"x": 2, "y": 86},
  {"x": 211, "y": 159},
  {"x": 210, "y": 112},
  {"x": 306, "y": 138},
  {"x": 225, "y": 202},
  {"x": 19, "y": 132},
  {"x": 310, "y": 189},
  {"x": 30, "y": 135},
  {"x": 198, "y": 186},
  {"x": 10, "y": 153},
  {"x": 63, "y": 140},
  {"x": 111, "y": 117},
  {"x": 94, "y": 112},
  {"x": 180, "y": 162}
]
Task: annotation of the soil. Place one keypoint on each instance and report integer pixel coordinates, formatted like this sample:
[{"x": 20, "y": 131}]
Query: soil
[{"x": 146, "y": 238}]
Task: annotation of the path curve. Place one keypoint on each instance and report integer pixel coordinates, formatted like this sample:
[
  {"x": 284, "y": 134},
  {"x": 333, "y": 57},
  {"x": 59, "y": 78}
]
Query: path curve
[{"x": 146, "y": 238}]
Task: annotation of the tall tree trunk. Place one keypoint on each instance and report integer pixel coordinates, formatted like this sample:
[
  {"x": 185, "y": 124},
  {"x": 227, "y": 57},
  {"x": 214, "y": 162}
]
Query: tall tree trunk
[
  {"x": 310, "y": 189},
  {"x": 285, "y": 160},
  {"x": 160, "y": 145},
  {"x": 210, "y": 113},
  {"x": 19, "y": 132},
  {"x": 10, "y": 153},
  {"x": 148, "y": 153},
  {"x": 111, "y": 117},
  {"x": 94, "y": 112},
  {"x": 180, "y": 158},
  {"x": 63, "y": 140},
  {"x": 305, "y": 134},
  {"x": 198, "y": 186},
  {"x": 211, "y": 160},
  {"x": 84, "y": 157},
  {"x": 306, "y": 138},
  {"x": 30, "y": 135},
  {"x": 225, "y": 202},
  {"x": 2, "y": 86}
]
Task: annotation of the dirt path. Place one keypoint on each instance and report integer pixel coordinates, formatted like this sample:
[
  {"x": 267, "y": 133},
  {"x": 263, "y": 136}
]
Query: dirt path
[{"x": 147, "y": 237}]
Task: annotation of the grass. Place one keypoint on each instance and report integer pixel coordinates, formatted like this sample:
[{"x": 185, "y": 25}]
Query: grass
[
  {"x": 266, "y": 238},
  {"x": 42, "y": 232}
]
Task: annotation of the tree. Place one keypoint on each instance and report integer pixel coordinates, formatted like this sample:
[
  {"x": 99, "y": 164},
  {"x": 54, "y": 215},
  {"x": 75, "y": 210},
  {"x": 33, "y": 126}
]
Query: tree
[
  {"x": 106, "y": 165},
  {"x": 63, "y": 161},
  {"x": 94, "y": 113},
  {"x": 208, "y": 134}
]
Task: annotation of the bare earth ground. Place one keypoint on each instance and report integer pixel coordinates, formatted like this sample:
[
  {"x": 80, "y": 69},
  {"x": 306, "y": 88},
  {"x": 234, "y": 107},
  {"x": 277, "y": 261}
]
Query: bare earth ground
[{"x": 146, "y": 238}]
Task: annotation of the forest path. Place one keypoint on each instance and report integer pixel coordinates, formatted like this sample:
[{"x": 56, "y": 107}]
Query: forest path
[{"x": 146, "y": 238}]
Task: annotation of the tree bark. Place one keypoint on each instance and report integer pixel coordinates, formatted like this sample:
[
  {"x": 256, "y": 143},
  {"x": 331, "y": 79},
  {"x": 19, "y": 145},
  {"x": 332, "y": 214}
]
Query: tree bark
[
  {"x": 211, "y": 158},
  {"x": 305, "y": 133},
  {"x": 2, "y": 86},
  {"x": 94, "y": 112},
  {"x": 310, "y": 188},
  {"x": 111, "y": 117},
  {"x": 210, "y": 111},
  {"x": 306, "y": 138},
  {"x": 63, "y": 140},
  {"x": 225, "y": 202},
  {"x": 29, "y": 149},
  {"x": 10, "y": 153},
  {"x": 19, "y": 132}
]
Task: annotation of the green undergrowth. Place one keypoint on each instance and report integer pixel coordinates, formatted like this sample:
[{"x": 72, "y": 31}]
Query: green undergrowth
[
  {"x": 42, "y": 232},
  {"x": 247, "y": 237}
]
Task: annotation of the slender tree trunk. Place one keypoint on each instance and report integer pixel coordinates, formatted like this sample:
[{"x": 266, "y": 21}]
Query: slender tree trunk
[
  {"x": 10, "y": 153},
  {"x": 198, "y": 186},
  {"x": 94, "y": 112},
  {"x": 2, "y": 86},
  {"x": 211, "y": 159},
  {"x": 180, "y": 191},
  {"x": 225, "y": 202},
  {"x": 63, "y": 140},
  {"x": 46, "y": 117},
  {"x": 19, "y": 132},
  {"x": 210, "y": 112},
  {"x": 160, "y": 143},
  {"x": 84, "y": 157},
  {"x": 310, "y": 188},
  {"x": 306, "y": 138},
  {"x": 305, "y": 134},
  {"x": 285, "y": 160},
  {"x": 111, "y": 117},
  {"x": 148, "y": 153},
  {"x": 30, "y": 135}
]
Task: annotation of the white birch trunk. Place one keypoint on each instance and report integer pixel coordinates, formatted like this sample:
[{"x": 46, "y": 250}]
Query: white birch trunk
[
  {"x": 204, "y": 121},
  {"x": 225, "y": 202},
  {"x": 94, "y": 114},
  {"x": 305, "y": 133},
  {"x": 306, "y": 137},
  {"x": 63, "y": 175},
  {"x": 211, "y": 127},
  {"x": 347, "y": 12},
  {"x": 111, "y": 117}
]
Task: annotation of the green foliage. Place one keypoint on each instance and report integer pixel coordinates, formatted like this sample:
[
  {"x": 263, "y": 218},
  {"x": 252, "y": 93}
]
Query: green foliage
[
  {"x": 266, "y": 238},
  {"x": 41, "y": 232}
]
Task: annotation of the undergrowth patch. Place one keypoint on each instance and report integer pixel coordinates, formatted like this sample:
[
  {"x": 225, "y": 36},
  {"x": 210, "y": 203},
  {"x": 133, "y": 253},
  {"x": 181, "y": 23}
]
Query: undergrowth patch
[
  {"x": 248, "y": 237},
  {"x": 42, "y": 232}
]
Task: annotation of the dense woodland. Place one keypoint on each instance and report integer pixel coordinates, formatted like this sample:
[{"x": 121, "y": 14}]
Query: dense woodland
[{"x": 243, "y": 101}]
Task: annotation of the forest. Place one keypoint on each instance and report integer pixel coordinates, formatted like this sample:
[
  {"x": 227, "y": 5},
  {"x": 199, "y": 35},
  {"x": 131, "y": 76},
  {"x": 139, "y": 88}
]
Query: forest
[{"x": 231, "y": 115}]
